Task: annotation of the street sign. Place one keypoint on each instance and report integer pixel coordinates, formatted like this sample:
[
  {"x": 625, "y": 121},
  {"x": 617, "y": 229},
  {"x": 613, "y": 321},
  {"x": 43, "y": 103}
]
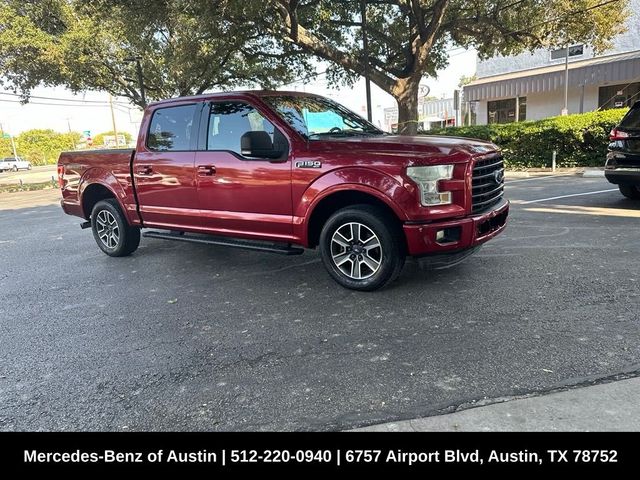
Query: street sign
[
  {"x": 87, "y": 133},
  {"x": 6, "y": 135}
]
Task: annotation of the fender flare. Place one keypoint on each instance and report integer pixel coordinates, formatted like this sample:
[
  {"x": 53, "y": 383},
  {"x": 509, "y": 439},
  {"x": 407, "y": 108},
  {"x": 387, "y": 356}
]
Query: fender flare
[
  {"x": 364, "y": 180},
  {"x": 106, "y": 179}
]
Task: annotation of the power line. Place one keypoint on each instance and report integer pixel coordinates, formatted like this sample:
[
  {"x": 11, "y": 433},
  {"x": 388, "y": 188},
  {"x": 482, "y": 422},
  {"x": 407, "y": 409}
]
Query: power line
[
  {"x": 96, "y": 103},
  {"x": 54, "y": 98}
]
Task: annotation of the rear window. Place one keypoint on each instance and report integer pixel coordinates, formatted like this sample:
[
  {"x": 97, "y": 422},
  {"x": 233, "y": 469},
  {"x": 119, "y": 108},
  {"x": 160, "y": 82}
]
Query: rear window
[
  {"x": 632, "y": 118},
  {"x": 170, "y": 128}
]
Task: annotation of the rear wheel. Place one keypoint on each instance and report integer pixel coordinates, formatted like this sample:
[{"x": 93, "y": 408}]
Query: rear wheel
[
  {"x": 111, "y": 231},
  {"x": 362, "y": 248},
  {"x": 15, "y": 168},
  {"x": 630, "y": 191}
]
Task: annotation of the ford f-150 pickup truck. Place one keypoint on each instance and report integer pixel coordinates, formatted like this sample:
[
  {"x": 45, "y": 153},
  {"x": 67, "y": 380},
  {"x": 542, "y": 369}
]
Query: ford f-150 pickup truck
[{"x": 283, "y": 171}]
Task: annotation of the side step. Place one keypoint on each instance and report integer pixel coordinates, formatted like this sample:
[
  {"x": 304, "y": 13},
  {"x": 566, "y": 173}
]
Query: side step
[{"x": 282, "y": 249}]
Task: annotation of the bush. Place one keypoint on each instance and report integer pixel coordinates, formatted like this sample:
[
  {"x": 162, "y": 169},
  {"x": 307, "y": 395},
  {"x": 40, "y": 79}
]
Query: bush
[{"x": 580, "y": 140}]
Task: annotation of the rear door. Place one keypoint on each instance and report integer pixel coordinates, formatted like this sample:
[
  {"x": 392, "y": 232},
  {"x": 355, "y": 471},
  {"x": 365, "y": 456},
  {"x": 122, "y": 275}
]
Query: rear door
[
  {"x": 164, "y": 168},
  {"x": 241, "y": 196}
]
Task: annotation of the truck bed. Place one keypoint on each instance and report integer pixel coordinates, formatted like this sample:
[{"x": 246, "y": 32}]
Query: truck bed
[{"x": 110, "y": 168}]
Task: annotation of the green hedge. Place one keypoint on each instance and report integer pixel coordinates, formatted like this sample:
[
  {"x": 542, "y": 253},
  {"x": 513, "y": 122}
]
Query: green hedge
[{"x": 581, "y": 140}]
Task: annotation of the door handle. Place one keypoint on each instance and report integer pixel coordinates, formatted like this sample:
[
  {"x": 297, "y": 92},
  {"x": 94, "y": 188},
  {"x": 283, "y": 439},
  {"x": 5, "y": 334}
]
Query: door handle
[
  {"x": 145, "y": 170},
  {"x": 206, "y": 170}
]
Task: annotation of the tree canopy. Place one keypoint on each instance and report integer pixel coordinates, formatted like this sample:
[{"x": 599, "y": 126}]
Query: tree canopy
[
  {"x": 190, "y": 46},
  {"x": 185, "y": 46},
  {"x": 410, "y": 39}
]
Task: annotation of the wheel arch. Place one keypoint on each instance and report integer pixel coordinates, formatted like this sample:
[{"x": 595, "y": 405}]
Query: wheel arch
[{"x": 338, "y": 198}]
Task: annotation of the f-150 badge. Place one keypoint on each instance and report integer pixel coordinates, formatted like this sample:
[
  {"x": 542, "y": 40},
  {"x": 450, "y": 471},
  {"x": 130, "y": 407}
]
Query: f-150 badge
[{"x": 309, "y": 164}]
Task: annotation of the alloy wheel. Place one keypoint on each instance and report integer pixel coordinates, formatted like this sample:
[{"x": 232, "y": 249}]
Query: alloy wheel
[
  {"x": 356, "y": 250},
  {"x": 107, "y": 229}
]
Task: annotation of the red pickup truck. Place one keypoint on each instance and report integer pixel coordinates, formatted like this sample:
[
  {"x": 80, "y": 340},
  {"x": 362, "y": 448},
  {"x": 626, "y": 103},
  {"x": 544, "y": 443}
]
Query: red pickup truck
[{"x": 283, "y": 171}]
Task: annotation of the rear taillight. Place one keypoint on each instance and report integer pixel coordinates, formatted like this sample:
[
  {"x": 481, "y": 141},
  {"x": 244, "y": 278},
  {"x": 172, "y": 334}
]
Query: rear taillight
[
  {"x": 618, "y": 135},
  {"x": 61, "y": 176}
]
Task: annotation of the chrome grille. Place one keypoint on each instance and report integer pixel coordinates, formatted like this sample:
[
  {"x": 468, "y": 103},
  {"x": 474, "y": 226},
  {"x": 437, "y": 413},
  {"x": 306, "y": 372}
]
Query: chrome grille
[{"x": 488, "y": 183}]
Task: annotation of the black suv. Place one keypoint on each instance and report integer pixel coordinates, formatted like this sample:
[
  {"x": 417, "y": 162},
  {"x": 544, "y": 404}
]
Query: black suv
[{"x": 623, "y": 157}]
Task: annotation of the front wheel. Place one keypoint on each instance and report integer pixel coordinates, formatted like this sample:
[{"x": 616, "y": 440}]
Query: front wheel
[
  {"x": 630, "y": 191},
  {"x": 29, "y": 167},
  {"x": 111, "y": 231},
  {"x": 362, "y": 247},
  {"x": 15, "y": 168}
]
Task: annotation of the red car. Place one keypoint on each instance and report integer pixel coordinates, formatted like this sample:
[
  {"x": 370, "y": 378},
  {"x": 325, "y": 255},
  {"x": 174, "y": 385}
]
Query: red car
[{"x": 283, "y": 171}]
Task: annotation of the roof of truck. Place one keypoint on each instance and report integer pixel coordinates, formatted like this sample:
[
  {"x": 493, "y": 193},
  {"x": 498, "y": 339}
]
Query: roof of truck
[{"x": 253, "y": 93}]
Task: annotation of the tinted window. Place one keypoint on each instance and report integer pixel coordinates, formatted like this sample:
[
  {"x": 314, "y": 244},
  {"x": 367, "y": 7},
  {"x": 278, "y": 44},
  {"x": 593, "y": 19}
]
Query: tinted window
[
  {"x": 228, "y": 121},
  {"x": 632, "y": 118},
  {"x": 171, "y": 128}
]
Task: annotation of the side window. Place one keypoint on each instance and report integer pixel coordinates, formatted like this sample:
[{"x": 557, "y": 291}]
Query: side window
[
  {"x": 171, "y": 128},
  {"x": 228, "y": 121}
]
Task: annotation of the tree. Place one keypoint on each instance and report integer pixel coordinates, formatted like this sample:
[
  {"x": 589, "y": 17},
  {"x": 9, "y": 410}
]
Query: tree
[
  {"x": 43, "y": 146},
  {"x": 466, "y": 80},
  {"x": 185, "y": 46},
  {"x": 409, "y": 39}
]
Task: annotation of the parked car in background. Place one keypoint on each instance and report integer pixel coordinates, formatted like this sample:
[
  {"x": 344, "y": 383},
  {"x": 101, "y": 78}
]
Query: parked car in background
[
  {"x": 623, "y": 157},
  {"x": 14, "y": 164}
]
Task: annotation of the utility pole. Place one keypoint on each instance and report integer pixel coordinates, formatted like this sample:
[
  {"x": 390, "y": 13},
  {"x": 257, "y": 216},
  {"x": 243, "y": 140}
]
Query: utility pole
[
  {"x": 565, "y": 110},
  {"x": 365, "y": 52},
  {"x": 113, "y": 120},
  {"x": 73, "y": 142}
]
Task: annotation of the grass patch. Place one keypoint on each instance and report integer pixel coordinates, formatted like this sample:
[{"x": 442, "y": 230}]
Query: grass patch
[{"x": 27, "y": 187}]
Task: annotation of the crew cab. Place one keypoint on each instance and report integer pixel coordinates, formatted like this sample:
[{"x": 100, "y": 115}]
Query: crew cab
[
  {"x": 14, "y": 164},
  {"x": 286, "y": 171},
  {"x": 623, "y": 156}
]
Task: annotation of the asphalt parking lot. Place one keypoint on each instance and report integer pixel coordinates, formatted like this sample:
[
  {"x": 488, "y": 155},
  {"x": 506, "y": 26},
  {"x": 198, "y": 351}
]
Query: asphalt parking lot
[{"x": 191, "y": 337}]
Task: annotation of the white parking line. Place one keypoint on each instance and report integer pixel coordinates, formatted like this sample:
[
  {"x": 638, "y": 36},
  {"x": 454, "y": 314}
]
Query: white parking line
[{"x": 567, "y": 196}]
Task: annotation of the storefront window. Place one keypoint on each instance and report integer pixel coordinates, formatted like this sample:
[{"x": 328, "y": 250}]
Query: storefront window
[
  {"x": 504, "y": 111},
  {"x": 618, "y": 96}
]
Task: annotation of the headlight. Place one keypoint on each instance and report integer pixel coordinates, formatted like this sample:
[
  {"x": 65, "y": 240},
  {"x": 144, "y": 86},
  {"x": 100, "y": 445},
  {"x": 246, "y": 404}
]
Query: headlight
[{"x": 427, "y": 179}]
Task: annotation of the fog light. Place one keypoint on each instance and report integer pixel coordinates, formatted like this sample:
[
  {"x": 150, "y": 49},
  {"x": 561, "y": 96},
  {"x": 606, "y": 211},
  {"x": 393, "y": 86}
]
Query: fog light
[{"x": 448, "y": 235}]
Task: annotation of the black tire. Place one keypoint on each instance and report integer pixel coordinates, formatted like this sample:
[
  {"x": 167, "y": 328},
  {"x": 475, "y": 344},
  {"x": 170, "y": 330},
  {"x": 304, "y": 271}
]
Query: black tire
[
  {"x": 29, "y": 167},
  {"x": 111, "y": 231},
  {"x": 379, "y": 227},
  {"x": 14, "y": 169},
  {"x": 630, "y": 191}
]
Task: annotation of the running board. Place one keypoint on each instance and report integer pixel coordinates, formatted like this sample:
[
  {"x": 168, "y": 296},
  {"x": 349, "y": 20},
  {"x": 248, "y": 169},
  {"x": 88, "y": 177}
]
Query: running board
[{"x": 282, "y": 249}]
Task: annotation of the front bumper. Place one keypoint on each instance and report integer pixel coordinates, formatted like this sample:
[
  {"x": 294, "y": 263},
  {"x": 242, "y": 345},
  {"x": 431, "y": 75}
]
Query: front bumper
[{"x": 460, "y": 234}]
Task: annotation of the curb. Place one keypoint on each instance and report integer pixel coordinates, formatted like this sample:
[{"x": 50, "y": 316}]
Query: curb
[{"x": 593, "y": 173}]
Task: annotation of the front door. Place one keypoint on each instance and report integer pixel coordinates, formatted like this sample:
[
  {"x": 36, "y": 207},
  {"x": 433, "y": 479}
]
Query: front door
[
  {"x": 238, "y": 195},
  {"x": 164, "y": 170}
]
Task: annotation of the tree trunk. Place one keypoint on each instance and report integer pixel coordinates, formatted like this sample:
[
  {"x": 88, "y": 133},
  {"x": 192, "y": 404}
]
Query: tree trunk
[{"x": 406, "y": 94}]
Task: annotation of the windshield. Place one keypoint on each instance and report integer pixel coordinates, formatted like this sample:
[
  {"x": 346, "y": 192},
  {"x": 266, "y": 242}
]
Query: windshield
[{"x": 314, "y": 117}]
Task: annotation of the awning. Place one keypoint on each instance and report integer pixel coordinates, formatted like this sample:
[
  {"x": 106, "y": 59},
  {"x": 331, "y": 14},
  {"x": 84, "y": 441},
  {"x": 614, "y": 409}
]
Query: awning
[{"x": 620, "y": 68}]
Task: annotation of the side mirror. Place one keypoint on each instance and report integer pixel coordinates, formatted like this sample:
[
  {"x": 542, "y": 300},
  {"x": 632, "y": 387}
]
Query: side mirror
[{"x": 258, "y": 144}]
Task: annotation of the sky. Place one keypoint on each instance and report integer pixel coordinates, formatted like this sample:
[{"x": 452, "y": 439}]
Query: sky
[{"x": 90, "y": 111}]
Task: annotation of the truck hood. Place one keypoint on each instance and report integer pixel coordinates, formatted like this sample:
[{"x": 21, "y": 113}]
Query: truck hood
[{"x": 418, "y": 145}]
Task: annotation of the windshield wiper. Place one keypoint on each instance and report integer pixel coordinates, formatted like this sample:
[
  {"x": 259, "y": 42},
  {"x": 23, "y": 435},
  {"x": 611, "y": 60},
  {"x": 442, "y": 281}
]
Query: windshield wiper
[{"x": 346, "y": 133}]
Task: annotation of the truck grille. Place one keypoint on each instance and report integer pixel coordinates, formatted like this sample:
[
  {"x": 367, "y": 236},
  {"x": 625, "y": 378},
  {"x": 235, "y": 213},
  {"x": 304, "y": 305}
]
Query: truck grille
[{"x": 488, "y": 183}]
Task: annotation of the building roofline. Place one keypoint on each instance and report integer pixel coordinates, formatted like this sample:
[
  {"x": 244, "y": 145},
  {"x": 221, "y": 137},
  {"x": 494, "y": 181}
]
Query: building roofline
[{"x": 554, "y": 68}]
